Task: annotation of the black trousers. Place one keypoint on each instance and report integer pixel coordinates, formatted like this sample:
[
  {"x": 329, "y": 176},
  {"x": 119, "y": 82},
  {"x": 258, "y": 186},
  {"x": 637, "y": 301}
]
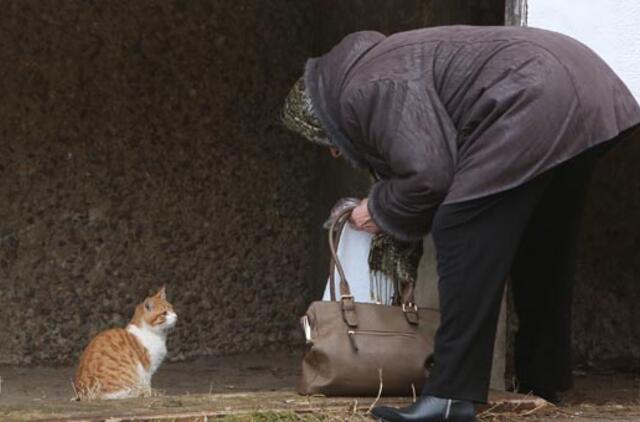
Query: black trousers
[{"x": 530, "y": 233}]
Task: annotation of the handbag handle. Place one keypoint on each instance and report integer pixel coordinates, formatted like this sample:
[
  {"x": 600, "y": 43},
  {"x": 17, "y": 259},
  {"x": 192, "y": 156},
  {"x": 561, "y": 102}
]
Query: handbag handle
[
  {"x": 409, "y": 307},
  {"x": 407, "y": 296},
  {"x": 337, "y": 225},
  {"x": 347, "y": 304}
]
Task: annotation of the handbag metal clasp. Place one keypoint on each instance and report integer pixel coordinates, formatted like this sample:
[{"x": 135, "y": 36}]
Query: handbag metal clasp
[
  {"x": 407, "y": 307},
  {"x": 411, "y": 313}
]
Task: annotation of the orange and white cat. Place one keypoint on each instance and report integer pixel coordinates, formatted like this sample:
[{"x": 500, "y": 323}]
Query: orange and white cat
[{"x": 119, "y": 363}]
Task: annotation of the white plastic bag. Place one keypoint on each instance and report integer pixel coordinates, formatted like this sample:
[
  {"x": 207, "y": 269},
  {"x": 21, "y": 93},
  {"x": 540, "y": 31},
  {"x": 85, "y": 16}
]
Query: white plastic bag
[{"x": 353, "y": 253}]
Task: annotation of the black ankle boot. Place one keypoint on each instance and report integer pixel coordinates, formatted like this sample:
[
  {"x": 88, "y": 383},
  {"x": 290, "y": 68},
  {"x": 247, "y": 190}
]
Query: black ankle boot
[{"x": 428, "y": 409}]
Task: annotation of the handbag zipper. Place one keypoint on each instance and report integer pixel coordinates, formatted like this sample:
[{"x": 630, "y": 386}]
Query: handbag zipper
[
  {"x": 353, "y": 333},
  {"x": 379, "y": 333}
]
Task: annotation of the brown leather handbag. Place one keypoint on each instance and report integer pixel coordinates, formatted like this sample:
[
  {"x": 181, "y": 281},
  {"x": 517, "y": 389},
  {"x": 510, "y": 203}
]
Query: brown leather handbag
[{"x": 358, "y": 348}]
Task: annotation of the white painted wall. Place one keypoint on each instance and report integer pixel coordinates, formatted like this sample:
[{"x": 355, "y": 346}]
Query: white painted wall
[{"x": 610, "y": 27}]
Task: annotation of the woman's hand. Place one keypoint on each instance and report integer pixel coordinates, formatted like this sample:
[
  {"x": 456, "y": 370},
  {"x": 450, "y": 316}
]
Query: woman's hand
[{"x": 361, "y": 219}]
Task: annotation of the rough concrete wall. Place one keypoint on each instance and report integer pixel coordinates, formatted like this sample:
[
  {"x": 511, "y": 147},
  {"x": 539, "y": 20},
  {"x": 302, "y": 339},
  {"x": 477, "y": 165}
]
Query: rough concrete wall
[
  {"x": 465, "y": 12},
  {"x": 336, "y": 18},
  {"x": 607, "y": 315},
  {"x": 139, "y": 145},
  {"x": 606, "y": 318}
]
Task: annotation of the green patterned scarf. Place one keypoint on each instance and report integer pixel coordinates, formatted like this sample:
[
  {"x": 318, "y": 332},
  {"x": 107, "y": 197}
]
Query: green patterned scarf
[
  {"x": 398, "y": 261},
  {"x": 299, "y": 116}
]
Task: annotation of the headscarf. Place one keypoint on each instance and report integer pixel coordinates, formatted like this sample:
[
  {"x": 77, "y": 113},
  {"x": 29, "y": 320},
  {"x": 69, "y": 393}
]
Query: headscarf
[{"x": 299, "y": 116}]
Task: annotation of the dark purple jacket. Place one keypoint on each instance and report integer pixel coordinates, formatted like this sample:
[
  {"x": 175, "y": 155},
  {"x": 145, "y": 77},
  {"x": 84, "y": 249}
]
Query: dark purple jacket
[{"x": 449, "y": 114}]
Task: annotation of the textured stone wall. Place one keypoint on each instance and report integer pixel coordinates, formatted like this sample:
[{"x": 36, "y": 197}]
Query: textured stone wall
[
  {"x": 140, "y": 145},
  {"x": 607, "y": 315},
  {"x": 606, "y": 318}
]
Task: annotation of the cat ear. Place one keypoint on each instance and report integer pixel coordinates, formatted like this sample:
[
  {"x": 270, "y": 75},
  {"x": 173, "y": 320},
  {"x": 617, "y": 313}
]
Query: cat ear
[
  {"x": 148, "y": 305},
  {"x": 162, "y": 294}
]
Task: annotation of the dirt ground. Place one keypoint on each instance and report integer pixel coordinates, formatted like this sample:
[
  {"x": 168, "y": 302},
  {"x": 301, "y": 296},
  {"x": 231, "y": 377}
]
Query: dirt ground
[
  {"x": 259, "y": 388},
  {"x": 222, "y": 375}
]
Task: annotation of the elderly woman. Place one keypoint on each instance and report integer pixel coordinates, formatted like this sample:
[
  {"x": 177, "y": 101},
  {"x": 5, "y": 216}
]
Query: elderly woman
[{"x": 486, "y": 137}]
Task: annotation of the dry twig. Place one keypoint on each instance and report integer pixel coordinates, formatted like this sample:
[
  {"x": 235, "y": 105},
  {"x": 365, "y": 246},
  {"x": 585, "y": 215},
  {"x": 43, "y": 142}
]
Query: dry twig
[
  {"x": 535, "y": 409},
  {"x": 379, "y": 391}
]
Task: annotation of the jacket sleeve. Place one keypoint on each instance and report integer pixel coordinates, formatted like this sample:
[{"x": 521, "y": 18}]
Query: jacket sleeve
[{"x": 400, "y": 130}]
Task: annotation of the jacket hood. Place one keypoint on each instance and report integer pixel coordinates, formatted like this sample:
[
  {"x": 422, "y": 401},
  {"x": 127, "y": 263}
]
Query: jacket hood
[{"x": 325, "y": 77}]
